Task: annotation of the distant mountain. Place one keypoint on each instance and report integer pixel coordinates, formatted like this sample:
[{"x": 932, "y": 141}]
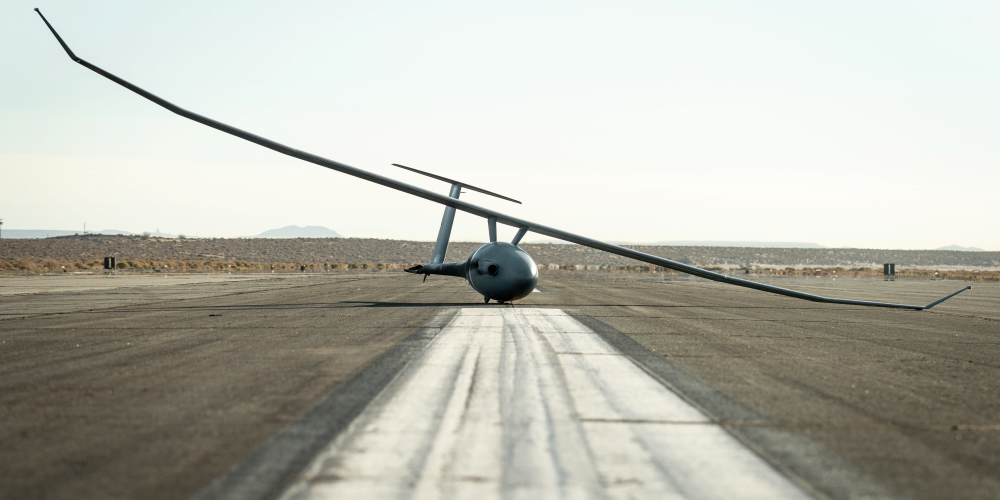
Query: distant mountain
[
  {"x": 961, "y": 249},
  {"x": 300, "y": 232},
  {"x": 744, "y": 244}
]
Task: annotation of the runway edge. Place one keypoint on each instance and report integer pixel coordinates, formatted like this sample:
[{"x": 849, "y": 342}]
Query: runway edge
[
  {"x": 271, "y": 468},
  {"x": 809, "y": 464}
]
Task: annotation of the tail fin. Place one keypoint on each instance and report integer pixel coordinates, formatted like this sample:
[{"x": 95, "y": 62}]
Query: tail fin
[{"x": 444, "y": 233}]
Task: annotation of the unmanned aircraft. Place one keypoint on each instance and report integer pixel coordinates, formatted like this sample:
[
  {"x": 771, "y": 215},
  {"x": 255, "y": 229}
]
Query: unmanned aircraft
[{"x": 498, "y": 270}]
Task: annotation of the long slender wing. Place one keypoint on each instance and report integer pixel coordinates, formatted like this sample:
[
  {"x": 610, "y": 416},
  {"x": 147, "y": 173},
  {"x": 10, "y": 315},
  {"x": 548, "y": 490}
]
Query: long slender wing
[{"x": 474, "y": 209}]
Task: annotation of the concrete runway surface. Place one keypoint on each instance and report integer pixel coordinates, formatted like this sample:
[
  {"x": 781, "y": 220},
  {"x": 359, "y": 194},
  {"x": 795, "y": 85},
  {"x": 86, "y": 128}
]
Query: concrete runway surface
[
  {"x": 529, "y": 403},
  {"x": 258, "y": 386}
]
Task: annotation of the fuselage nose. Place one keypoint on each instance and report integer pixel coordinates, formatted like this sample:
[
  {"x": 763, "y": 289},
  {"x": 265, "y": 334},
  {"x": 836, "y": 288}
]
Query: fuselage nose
[{"x": 502, "y": 272}]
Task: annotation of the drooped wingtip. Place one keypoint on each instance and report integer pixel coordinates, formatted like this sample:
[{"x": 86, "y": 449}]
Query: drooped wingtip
[
  {"x": 942, "y": 299},
  {"x": 59, "y": 38}
]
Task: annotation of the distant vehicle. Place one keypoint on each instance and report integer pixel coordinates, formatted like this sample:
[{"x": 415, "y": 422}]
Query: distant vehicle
[{"x": 499, "y": 271}]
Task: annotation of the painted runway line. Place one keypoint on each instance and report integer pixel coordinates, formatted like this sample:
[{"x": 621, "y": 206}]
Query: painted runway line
[{"x": 529, "y": 403}]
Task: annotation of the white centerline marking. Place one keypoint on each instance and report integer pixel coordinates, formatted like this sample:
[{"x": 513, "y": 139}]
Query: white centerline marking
[{"x": 529, "y": 403}]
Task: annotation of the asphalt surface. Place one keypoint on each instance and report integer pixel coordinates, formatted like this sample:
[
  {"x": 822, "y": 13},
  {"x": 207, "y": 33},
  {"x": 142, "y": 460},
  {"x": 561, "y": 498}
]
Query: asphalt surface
[
  {"x": 510, "y": 403},
  {"x": 155, "y": 400},
  {"x": 159, "y": 394}
]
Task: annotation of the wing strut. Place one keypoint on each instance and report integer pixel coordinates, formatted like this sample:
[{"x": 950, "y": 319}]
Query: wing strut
[{"x": 474, "y": 209}]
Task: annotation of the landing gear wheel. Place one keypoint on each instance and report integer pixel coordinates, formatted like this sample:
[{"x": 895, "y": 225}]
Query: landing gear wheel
[{"x": 486, "y": 300}]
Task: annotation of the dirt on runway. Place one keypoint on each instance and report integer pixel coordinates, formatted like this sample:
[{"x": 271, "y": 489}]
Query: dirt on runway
[{"x": 157, "y": 394}]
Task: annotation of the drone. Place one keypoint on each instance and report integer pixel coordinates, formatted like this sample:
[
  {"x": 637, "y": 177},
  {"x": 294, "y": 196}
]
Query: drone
[{"x": 498, "y": 270}]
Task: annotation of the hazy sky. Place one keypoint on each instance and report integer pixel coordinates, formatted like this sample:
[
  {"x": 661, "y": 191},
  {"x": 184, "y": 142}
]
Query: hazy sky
[{"x": 866, "y": 124}]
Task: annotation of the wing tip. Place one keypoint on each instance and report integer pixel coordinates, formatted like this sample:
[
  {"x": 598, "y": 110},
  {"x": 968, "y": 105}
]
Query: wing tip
[
  {"x": 59, "y": 38},
  {"x": 946, "y": 297}
]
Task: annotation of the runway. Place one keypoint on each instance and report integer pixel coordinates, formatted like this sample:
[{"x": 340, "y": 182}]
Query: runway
[
  {"x": 529, "y": 403},
  {"x": 264, "y": 384}
]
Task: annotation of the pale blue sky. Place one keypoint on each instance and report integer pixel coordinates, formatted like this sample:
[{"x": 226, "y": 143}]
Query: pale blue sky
[{"x": 868, "y": 124}]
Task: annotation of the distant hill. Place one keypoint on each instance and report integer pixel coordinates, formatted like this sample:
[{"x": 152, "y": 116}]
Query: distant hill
[
  {"x": 300, "y": 232},
  {"x": 961, "y": 249}
]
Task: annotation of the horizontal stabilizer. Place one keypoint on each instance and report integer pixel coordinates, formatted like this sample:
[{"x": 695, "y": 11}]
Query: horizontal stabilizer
[{"x": 438, "y": 177}]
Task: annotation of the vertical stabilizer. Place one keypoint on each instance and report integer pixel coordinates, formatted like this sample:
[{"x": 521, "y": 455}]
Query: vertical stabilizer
[
  {"x": 441, "y": 245},
  {"x": 444, "y": 234}
]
